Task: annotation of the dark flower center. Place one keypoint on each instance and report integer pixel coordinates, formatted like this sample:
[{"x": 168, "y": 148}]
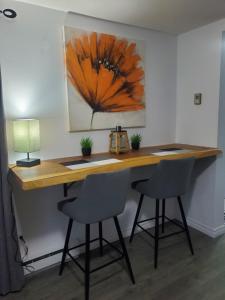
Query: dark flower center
[{"x": 108, "y": 65}]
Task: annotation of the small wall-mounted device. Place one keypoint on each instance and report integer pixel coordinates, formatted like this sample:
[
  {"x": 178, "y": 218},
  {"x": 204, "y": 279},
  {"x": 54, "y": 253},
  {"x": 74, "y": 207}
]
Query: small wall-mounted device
[{"x": 198, "y": 99}]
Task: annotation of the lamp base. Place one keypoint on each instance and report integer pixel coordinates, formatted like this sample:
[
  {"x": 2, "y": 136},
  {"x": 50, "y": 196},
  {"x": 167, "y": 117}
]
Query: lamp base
[{"x": 28, "y": 162}]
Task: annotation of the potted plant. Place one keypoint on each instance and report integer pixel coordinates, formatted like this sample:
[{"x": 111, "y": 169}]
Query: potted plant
[
  {"x": 86, "y": 145},
  {"x": 135, "y": 141}
]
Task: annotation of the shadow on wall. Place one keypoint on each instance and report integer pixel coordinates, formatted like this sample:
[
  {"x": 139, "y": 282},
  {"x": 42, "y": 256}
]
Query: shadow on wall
[{"x": 201, "y": 165}]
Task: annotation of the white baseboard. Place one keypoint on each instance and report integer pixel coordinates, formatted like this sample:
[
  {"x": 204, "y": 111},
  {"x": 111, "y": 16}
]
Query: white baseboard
[
  {"x": 112, "y": 237},
  {"x": 210, "y": 231}
]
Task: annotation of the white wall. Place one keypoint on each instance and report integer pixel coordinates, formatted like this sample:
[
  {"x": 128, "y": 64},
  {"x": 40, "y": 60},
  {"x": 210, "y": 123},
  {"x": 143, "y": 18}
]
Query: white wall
[
  {"x": 198, "y": 71},
  {"x": 34, "y": 86}
]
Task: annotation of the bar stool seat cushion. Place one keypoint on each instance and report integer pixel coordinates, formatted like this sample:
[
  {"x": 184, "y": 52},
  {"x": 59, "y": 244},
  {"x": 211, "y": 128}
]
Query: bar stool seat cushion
[
  {"x": 65, "y": 206},
  {"x": 170, "y": 179},
  {"x": 102, "y": 196},
  {"x": 141, "y": 186}
]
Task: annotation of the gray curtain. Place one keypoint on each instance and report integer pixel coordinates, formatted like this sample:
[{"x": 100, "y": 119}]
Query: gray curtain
[{"x": 11, "y": 271}]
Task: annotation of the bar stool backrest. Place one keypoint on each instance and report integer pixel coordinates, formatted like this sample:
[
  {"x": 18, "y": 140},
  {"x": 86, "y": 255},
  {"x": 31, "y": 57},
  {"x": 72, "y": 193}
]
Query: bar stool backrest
[
  {"x": 102, "y": 197},
  {"x": 171, "y": 178}
]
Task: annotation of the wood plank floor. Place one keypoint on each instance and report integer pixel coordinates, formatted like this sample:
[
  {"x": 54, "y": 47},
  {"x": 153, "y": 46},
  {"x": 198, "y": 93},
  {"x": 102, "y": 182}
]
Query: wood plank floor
[{"x": 179, "y": 276}]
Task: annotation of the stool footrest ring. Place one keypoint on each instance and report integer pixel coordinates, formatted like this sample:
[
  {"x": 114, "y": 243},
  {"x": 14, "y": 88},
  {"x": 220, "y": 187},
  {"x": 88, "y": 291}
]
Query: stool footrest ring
[
  {"x": 162, "y": 236},
  {"x": 102, "y": 266}
]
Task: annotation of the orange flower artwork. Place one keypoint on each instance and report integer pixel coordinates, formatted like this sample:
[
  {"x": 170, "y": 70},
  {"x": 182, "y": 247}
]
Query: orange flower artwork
[{"x": 105, "y": 78}]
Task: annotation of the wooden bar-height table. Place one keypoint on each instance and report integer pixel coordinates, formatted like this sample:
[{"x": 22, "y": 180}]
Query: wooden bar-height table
[{"x": 54, "y": 172}]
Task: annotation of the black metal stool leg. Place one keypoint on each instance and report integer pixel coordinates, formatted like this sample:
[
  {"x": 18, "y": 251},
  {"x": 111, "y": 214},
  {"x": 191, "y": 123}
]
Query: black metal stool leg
[
  {"x": 100, "y": 238},
  {"x": 124, "y": 249},
  {"x": 87, "y": 262},
  {"x": 156, "y": 233},
  {"x": 185, "y": 225},
  {"x": 136, "y": 217},
  {"x": 163, "y": 214},
  {"x": 65, "y": 249}
]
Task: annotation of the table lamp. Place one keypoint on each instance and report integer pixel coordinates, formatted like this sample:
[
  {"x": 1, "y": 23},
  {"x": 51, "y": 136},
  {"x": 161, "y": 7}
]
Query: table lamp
[{"x": 26, "y": 140}]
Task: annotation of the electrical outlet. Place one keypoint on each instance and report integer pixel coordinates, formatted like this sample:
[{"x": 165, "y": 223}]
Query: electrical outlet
[{"x": 198, "y": 99}]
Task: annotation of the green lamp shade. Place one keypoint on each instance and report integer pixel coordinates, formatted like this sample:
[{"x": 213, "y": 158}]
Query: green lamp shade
[{"x": 26, "y": 135}]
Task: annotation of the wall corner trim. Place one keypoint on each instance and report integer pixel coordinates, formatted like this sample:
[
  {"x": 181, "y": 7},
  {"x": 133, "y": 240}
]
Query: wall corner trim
[{"x": 206, "y": 229}]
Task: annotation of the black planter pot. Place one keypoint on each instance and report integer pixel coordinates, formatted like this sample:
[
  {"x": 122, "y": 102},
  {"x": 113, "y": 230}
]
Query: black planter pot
[
  {"x": 86, "y": 151},
  {"x": 135, "y": 146}
]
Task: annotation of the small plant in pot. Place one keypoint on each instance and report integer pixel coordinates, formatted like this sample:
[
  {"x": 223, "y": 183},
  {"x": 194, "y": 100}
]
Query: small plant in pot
[
  {"x": 135, "y": 141},
  {"x": 86, "y": 145}
]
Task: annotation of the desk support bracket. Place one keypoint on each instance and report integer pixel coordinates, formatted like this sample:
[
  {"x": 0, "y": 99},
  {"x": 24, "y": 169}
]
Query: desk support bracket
[{"x": 66, "y": 187}]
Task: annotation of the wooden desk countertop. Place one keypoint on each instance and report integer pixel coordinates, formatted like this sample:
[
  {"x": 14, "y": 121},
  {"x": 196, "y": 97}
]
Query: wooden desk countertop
[{"x": 52, "y": 172}]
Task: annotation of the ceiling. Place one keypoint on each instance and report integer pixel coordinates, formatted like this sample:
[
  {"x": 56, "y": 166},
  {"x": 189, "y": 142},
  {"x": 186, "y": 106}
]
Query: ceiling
[{"x": 172, "y": 16}]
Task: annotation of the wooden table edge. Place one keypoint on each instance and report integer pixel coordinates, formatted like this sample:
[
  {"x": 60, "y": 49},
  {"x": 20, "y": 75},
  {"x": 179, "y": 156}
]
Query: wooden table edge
[{"x": 44, "y": 181}]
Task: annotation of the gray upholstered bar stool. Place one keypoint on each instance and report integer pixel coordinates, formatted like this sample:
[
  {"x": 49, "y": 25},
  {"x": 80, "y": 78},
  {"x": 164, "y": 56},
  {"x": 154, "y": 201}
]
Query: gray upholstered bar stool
[
  {"x": 171, "y": 178},
  {"x": 102, "y": 196}
]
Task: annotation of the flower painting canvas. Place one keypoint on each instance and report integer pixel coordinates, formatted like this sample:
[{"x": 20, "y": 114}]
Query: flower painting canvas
[{"x": 105, "y": 80}]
